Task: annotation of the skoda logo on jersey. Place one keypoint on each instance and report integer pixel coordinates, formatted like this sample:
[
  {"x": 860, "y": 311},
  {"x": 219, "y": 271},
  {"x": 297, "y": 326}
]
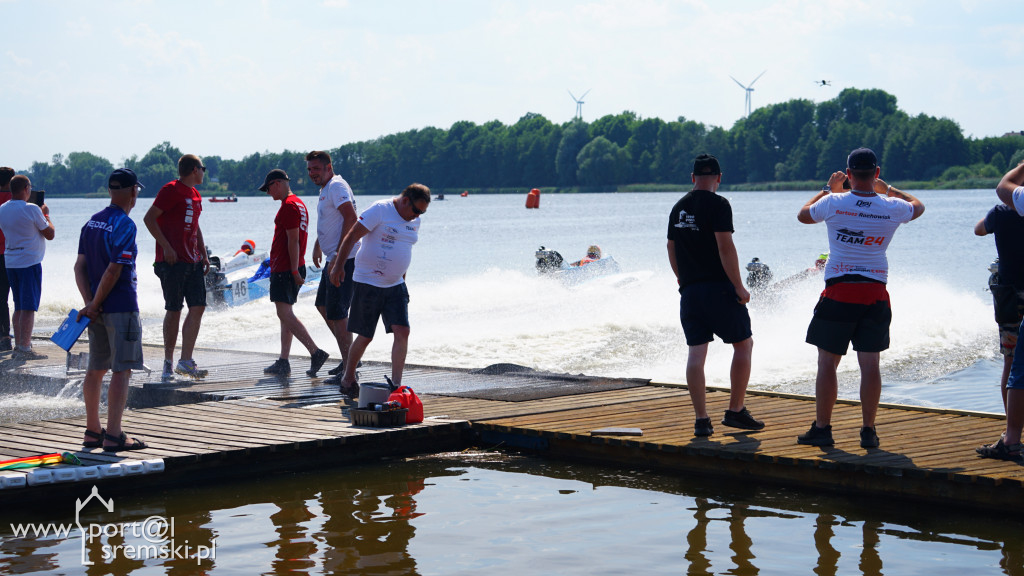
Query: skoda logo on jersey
[{"x": 863, "y": 204}]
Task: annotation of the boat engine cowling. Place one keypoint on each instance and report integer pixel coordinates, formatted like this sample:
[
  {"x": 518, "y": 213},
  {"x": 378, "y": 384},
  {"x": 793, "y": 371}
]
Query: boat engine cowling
[{"x": 548, "y": 260}]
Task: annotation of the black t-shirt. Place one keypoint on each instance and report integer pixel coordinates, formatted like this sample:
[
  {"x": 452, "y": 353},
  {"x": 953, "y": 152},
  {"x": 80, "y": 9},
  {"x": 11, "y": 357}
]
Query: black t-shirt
[
  {"x": 1008, "y": 226},
  {"x": 692, "y": 225}
]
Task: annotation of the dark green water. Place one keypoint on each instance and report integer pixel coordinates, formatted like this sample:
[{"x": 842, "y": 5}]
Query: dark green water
[{"x": 492, "y": 513}]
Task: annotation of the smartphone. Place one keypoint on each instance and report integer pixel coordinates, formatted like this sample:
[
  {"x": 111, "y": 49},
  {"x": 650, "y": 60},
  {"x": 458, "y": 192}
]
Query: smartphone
[
  {"x": 37, "y": 197},
  {"x": 846, "y": 184}
]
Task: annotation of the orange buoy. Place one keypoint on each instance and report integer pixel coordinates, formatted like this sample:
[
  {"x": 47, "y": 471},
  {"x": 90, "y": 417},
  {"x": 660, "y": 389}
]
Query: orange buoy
[
  {"x": 533, "y": 199},
  {"x": 464, "y": 194}
]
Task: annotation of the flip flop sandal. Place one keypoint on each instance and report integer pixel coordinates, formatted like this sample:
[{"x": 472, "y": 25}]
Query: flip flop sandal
[
  {"x": 122, "y": 443},
  {"x": 1000, "y": 451},
  {"x": 98, "y": 442}
]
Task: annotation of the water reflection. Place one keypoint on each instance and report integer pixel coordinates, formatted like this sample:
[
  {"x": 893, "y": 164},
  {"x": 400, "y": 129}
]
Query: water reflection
[{"x": 507, "y": 514}]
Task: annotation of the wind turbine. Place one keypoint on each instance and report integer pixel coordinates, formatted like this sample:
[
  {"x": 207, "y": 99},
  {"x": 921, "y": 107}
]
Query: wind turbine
[
  {"x": 749, "y": 88},
  {"x": 579, "y": 103}
]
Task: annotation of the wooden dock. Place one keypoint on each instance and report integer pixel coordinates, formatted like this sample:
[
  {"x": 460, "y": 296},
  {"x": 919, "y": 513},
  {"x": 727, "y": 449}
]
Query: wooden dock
[{"x": 238, "y": 422}]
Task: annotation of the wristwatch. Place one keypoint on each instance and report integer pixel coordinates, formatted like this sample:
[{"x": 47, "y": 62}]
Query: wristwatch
[{"x": 826, "y": 188}]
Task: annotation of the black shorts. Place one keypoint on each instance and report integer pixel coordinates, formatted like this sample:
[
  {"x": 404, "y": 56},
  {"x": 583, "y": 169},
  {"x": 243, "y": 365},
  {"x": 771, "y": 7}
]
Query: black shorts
[
  {"x": 283, "y": 287},
  {"x": 709, "y": 309},
  {"x": 845, "y": 313},
  {"x": 336, "y": 300},
  {"x": 182, "y": 283},
  {"x": 370, "y": 303}
]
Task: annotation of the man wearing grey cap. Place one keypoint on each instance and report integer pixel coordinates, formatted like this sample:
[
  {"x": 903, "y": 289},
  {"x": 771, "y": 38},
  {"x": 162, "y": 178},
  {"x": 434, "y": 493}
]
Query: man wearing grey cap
[
  {"x": 712, "y": 297},
  {"x": 854, "y": 307}
]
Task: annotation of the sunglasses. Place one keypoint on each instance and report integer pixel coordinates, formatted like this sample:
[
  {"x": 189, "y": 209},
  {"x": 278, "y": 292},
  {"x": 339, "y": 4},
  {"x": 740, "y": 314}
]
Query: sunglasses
[
  {"x": 113, "y": 187},
  {"x": 203, "y": 168}
]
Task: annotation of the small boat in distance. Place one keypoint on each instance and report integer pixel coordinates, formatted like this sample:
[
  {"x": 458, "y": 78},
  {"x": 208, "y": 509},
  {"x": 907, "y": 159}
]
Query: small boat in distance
[{"x": 231, "y": 198}]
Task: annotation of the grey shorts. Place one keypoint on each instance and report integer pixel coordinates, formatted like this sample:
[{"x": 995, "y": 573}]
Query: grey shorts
[{"x": 115, "y": 342}]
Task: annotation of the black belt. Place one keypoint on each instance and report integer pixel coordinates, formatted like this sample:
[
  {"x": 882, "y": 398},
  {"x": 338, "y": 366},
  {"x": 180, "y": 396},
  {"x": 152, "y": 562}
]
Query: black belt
[{"x": 851, "y": 279}]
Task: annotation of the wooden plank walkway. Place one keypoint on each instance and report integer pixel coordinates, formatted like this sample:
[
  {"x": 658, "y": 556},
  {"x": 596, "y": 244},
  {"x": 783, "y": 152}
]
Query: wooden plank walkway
[{"x": 238, "y": 421}]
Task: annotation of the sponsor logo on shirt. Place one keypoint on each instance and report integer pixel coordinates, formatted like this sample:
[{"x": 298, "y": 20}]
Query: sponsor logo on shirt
[
  {"x": 857, "y": 237},
  {"x": 687, "y": 221},
  {"x": 105, "y": 226},
  {"x": 863, "y": 215}
]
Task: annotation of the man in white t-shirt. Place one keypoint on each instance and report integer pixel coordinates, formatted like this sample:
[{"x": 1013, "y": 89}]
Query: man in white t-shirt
[
  {"x": 26, "y": 229},
  {"x": 1008, "y": 447},
  {"x": 854, "y": 307},
  {"x": 336, "y": 214},
  {"x": 388, "y": 229}
]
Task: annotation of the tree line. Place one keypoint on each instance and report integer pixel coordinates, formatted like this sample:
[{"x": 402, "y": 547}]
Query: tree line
[{"x": 792, "y": 141}]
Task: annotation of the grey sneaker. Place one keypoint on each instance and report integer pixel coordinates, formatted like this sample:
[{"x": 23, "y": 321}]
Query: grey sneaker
[
  {"x": 703, "y": 427},
  {"x": 168, "y": 372},
  {"x": 316, "y": 362},
  {"x": 868, "y": 437},
  {"x": 30, "y": 354},
  {"x": 280, "y": 367},
  {"x": 742, "y": 419},
  {"x": 189, "y": 368},
  {"x": 816, "y": 436}
]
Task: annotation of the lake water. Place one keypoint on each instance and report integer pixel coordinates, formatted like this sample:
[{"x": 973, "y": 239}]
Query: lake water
[{"x": 476, "y": 300}]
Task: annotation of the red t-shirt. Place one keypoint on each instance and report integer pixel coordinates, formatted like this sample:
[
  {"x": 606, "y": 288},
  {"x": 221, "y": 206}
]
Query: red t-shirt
[
  {"x": 290, "y": 216},
  {"x": 4, "y": 197},
  {"x": 181, "y": 206}
]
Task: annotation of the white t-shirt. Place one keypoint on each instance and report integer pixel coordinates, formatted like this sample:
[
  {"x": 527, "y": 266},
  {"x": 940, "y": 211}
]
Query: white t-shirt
[
  {"x": 1018, "y": 200},
  {"x": 387, "y": 249},
  {"x": 859, "y": 230},
  {"x": 21, "y": 223},
  {"x": 329, "y": 221}
]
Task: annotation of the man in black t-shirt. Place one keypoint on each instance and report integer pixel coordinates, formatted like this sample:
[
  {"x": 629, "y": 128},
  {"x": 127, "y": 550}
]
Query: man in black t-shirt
[{"x": 713, "y": 299}]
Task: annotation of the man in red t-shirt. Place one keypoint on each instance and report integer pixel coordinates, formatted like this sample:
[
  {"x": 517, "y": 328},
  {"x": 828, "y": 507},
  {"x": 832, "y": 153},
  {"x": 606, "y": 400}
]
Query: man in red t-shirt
[
  {"x": 6, "y": 174},
  {"x": 181, "y": 262},
  {"x": 288, "y": 271}
]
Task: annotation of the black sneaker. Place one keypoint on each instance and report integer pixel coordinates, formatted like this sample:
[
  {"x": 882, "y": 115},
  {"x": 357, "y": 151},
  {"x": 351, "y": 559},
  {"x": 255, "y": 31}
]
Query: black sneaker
[
  {"x": 280, "y": 367},
  {"x": 816, "y": 436},
  {"x": 868, "y": 437},
  {"x": 742, "y": 419},
  {"x": 316, "y": 362},
  {"x": 337, "y": 369},
  {"x": 6, "y": 345},
  {"x": 703, "y": 427}
]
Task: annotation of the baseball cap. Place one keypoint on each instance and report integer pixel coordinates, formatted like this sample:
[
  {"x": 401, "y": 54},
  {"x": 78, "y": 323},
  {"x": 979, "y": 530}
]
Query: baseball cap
[
  {"x": 706, "y": 165},
  {"x": 862, "y": 159},
  {"x": 275, "y": 174},
  {"x": 124, "y": 177}
]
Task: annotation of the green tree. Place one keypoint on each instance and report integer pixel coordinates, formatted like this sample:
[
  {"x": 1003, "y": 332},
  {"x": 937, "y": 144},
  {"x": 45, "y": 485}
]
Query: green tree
[{"x": 602, "y": 162}]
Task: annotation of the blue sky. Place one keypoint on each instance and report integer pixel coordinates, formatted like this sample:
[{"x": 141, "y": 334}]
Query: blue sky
[{"x": 235, "y": 77}]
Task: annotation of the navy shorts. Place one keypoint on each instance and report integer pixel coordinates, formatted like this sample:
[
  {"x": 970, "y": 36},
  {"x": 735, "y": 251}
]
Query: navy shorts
[
  {"x": 283, "y": 287},
  {"x": 27, "y": 286},
  {"x": 182, "y": 283},
  {"x": 336, "y": 300},
  {"x": 115, "y": 342},
  {"x": 851, "y": 312},
  {"x": 370, "y": 303},
  {"x": 709, "y": 309}
]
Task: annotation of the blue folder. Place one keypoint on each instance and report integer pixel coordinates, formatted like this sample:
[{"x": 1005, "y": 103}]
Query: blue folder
[{"x": 69, "y": 331}]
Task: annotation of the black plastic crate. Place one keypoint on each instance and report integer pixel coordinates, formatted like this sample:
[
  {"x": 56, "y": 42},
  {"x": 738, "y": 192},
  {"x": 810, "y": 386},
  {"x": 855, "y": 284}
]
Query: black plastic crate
[{"x": 363, "y": 417}]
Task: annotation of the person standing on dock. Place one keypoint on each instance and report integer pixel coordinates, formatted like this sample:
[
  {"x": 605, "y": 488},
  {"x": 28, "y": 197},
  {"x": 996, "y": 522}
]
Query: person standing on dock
[
  {"x": 854, "y": 307},
  {"x": 712, "y": 297},
  {"x": 26, "y": 229},
  {"x": 181, "y": 263},
  {"x": 6, "y": 173},
  {"x": 1008, "y": 292},
  {"x": 388, "y": 229},
  {"x": 106, "y": 278},
  {"x": 336, "y": 214},
  {"x": 288, "y": 272},
  {"x": 1011, "y": 191}
]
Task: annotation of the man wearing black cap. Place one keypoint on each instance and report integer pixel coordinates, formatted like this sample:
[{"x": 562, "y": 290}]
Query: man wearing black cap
[
  {"x": 713, "y": 299},
  {"x": 105, "y": 275},
  {"x": 288, "y": 271},
  {"x": 854, "y": 307}
]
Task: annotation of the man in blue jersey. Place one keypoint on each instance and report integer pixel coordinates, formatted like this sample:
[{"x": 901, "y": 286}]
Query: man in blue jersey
[{"x": 105, "y": 275}]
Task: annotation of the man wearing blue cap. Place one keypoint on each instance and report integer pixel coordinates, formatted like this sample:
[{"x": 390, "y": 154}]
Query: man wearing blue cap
[
  {"x": 854, "y": 307},
  {"x": 105, "y": 275}
]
